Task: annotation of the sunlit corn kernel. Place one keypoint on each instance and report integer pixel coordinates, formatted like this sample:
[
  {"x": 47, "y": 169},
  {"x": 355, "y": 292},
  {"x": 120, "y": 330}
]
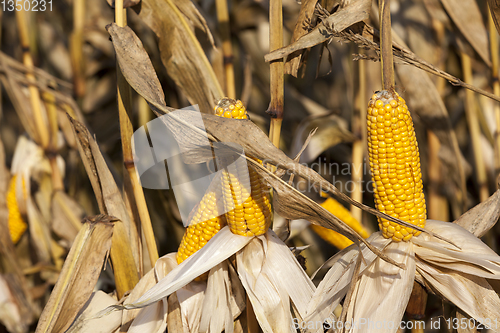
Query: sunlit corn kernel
[{"x": 403, "y": 184}]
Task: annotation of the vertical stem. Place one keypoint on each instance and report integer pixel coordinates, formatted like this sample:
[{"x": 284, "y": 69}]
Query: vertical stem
[
  {"x": 359, "y": 130},
  {"x": 416, "y": 307},
  {"x": 227, "y": 48},
  {"x": 144, "y": 112},
  {"x": 42, "y": 130},
  {"x": 124, "y": 105},
  {"x": 386, "y": 58},
  {"x": 76, "y": 48},
  {"x": 496, "y": 85},
  {"x": 475, "y": 132},
  {"x": 277, "y": 71},
  {"x": 51, "y": 151},
  {"x": 418, "y": 298}
]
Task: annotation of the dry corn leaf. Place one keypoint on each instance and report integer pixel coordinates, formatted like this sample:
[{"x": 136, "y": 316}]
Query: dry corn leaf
[
  {"x": 354, "y": 12},
  {"x": 135, "y": 64},
  {"x": 302, "y": 27},
  {"x": 146, "y": 282},
  {"x": 78, "y": 276},
  {"x": 467, "y": 17},
  {"x": 17, "y": 97},
  {"x": 340, "y": 275},
  {"x": 15, "y": 311},
  {"x": 494, "y": 6},
  {"x": 221, "y": 305},
  {"x": 152, "y": 318},
  {"x": 472, "y": 294},
  {"x": 39, "y": 233},
  {"x": 174, "y": 317},
  {"x": 331, "y": 130},
  {"x": 66, "y": 216},
  {"x": 162, "y": 267},
  {"x": 373, "y": 296},
  {"x": 85, "y": 323},
  {"x": 173, "y": 22},
  {"x": 110, "y": 201},
  {"x": 190, "y": 300},
  {"x": 483, "y": 217},
  {"x": 270, "y": 305}
]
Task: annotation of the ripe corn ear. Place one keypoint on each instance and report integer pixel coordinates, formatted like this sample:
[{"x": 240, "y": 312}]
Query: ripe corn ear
[
  {"x": 333, "y": 237},
  {"x": 248, "y": 207},
  {"x": 17, "y": 225},
  {"x": 251, "y": 217},
  {"x": 204, "y": 222},
  {"x": 395, "y": 165}
]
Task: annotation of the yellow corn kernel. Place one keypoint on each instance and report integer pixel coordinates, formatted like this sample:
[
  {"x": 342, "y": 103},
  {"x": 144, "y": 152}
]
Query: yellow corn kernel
[
  {"x": 17, "y": 226},
  {"x": 204, "y": 223},
  {"x": 230, "y": 108},
  {"x": 253, "y": 216},
  {"x": 397, "y": 179},
  {"x": 333, "y": 237}
]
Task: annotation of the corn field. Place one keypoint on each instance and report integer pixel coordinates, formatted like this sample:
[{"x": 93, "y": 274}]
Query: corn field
[{"x": 249, "y": 166}]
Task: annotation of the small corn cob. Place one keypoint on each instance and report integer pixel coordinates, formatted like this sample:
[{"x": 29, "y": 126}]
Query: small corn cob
[
  {"x": 395, "y": 165},
  {"x": 204, "y": 222},
  {"x": 253, "y": 216},
  {"x": 17, "y": 226},
  {"x": 333, "y": 237}
]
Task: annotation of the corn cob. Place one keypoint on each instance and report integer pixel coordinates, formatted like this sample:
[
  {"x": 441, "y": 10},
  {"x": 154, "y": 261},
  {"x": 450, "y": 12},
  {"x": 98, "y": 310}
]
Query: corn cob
[
  {"x": 395, "y": 165},
  {"x": 204, "y": 222},
  {"x": 17, "y": 226},
  {"x": 333, "y": 237},
  {"x": 251, "y": 217}
]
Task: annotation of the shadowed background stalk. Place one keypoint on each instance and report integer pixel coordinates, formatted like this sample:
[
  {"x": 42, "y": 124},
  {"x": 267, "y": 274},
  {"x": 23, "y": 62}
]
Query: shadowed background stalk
[
  {"x": 277, "y": 78},
  {"x": 227, "y": 47}
]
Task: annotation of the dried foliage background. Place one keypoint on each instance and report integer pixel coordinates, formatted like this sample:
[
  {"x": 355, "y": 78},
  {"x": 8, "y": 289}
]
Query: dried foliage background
[{"x": 442, "y": 48}]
